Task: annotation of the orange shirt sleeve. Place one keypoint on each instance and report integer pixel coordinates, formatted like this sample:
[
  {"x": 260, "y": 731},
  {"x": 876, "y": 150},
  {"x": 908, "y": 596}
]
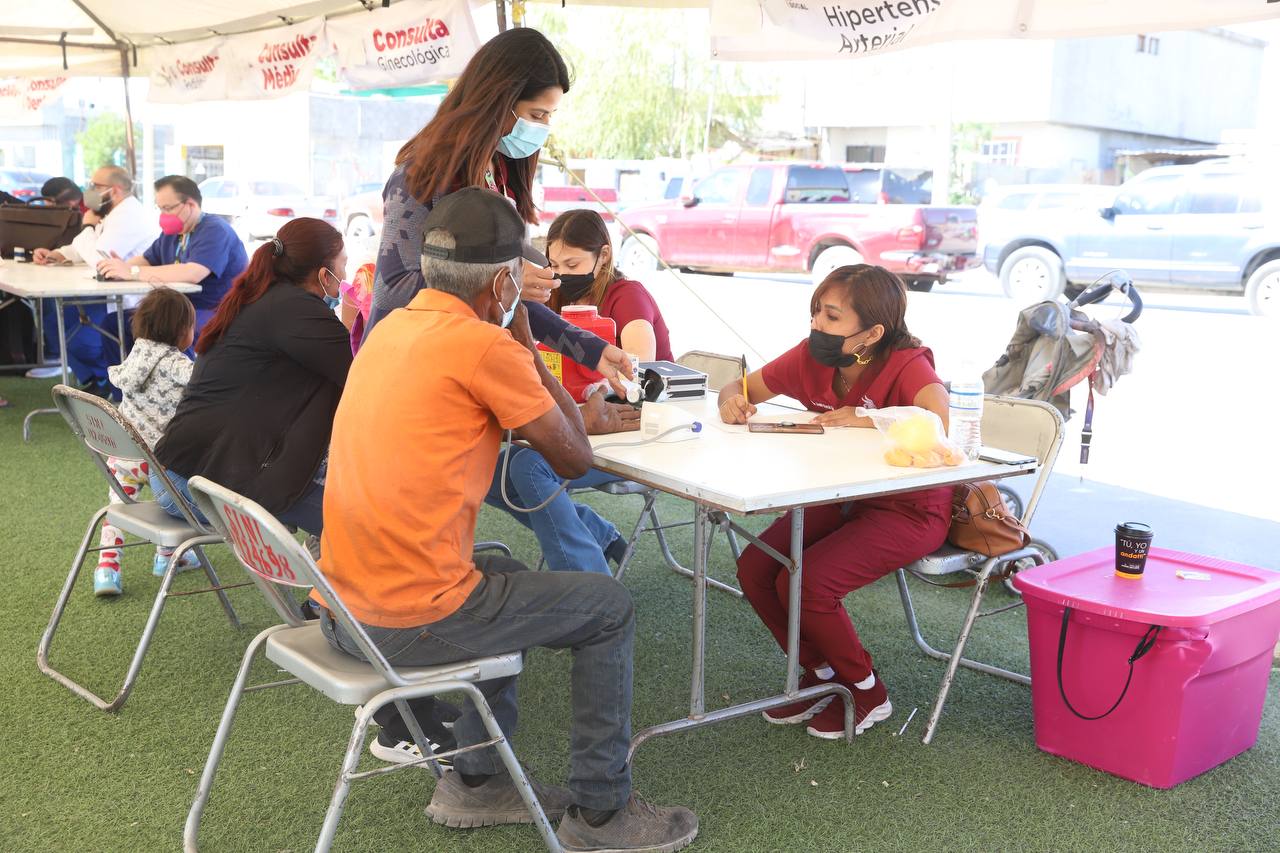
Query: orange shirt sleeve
[{"x": 507, "y": 384}]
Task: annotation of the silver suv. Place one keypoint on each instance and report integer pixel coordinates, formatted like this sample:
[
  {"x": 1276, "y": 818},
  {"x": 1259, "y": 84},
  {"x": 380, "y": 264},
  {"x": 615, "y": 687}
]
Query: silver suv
[{"x": 1210, "y": 226}]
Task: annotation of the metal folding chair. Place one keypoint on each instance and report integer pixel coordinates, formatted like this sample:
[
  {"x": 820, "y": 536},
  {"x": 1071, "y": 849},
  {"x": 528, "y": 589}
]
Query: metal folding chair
[
  {"x": 267, "y": 551},
  {"x": 1024, "y": 426},
  {"x": 105, "y": 432},
  {"x": 720, "y": 370}
]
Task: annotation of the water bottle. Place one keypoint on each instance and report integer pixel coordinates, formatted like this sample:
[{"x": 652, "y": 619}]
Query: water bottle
[{"x": 965, "y": 412}]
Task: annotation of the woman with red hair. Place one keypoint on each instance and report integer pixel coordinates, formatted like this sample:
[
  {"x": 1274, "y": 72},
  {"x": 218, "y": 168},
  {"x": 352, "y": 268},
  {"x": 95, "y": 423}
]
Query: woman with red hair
[{"x": 272, "y": 363}]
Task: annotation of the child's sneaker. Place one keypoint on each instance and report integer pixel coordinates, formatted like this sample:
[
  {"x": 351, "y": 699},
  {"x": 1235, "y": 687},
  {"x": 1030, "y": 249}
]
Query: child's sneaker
[
  {"x": 798, "y": 712},
  {"x": 189, "y": 561},
  {"x": 870, "y": 706},
  {"x": 106, "y": 582}
]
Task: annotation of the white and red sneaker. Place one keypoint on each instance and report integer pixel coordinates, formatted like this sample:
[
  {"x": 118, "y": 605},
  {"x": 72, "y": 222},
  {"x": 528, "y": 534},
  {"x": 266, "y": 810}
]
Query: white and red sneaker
[
  {"x": 798, "y": 712},
  {"x": 871, "y": 705}
]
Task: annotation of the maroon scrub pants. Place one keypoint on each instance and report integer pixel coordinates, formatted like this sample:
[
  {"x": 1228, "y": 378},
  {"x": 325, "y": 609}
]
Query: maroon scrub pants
[{"x": 846, "y": 547}]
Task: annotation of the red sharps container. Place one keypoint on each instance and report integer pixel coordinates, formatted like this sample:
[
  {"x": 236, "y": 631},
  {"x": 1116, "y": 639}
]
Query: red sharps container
[{"x": 573, "y": 376}]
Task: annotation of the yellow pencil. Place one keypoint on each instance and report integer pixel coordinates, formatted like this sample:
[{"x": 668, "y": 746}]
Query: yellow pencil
[{"x": 746, "y": 397}]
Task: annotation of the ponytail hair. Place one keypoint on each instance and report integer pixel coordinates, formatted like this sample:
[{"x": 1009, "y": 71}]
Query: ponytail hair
[
  {"x": 300, "y": 247},
  {"x": 878, "y": 297}
]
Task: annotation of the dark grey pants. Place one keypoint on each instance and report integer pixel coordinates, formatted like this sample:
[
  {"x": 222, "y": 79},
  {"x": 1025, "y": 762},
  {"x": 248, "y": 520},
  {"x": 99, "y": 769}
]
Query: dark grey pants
[{"x": 512, "y": 609}]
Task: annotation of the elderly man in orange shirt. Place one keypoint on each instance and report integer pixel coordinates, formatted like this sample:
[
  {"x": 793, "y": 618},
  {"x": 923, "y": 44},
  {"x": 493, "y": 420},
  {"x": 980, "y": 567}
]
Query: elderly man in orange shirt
[{"x": 415, "y": 442}]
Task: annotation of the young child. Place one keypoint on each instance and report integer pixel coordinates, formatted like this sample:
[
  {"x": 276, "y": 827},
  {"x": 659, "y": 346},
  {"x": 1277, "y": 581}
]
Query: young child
[{"x": 152, "y": 380}]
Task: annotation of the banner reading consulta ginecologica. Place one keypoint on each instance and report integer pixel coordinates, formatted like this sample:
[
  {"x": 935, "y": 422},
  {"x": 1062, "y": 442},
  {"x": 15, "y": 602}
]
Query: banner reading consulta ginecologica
[{"x": 417, "y": 41}]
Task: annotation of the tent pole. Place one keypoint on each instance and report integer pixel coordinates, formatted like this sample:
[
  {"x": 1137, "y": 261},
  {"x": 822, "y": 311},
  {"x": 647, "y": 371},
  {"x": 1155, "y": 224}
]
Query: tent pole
[{"x": 129, "y": 141}]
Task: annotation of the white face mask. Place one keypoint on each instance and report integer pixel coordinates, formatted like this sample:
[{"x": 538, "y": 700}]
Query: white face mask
[{"x": 508, "y": 314}]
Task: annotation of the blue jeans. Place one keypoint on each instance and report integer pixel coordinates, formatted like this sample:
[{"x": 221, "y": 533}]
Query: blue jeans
[
  {"x": 513, "y": 610},
  {"x": 572, "y": 536},
  {"x": 307, "y": 513}
]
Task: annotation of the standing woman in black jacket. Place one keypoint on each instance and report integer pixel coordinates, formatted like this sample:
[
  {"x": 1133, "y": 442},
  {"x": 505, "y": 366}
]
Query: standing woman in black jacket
[{"x": 272, "y": 362}]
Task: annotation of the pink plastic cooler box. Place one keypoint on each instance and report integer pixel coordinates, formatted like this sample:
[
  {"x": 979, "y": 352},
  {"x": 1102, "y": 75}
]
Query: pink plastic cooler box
[{"x": 1196, "y": 697}]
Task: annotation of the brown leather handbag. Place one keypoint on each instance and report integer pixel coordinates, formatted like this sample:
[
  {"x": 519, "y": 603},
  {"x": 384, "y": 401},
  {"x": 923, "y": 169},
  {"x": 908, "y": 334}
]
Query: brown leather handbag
[
  {"x": 37, "y": 227},
  {"x": 980, "y": 522}
]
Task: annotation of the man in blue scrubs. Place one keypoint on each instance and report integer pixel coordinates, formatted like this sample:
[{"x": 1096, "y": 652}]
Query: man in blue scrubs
[{"x": 192, "y": 248}]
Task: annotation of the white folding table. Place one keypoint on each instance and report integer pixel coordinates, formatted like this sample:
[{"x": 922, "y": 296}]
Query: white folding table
[
  {"x": 725, "y": 470},
  {"x": 76, "y": 286}
]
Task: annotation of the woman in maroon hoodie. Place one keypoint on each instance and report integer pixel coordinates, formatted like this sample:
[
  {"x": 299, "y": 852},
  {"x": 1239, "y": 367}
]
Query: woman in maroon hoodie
[{"x": 859, "y": 353}]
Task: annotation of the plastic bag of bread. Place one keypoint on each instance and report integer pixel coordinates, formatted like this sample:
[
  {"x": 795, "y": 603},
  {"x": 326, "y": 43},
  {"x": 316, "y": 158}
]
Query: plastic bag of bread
[{"x": 914, "y": 437}]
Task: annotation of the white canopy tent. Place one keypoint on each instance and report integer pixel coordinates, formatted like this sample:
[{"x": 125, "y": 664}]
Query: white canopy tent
[
  {"x": 95, "y": 37},
  {"x": 60, "y": 38}
]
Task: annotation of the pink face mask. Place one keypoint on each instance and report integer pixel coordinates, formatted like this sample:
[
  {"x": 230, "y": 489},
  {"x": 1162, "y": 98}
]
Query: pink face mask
[{"x": 170, "y": 224}]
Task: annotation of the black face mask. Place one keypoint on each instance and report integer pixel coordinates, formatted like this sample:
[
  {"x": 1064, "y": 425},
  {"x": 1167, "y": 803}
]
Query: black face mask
[
  {"x": 574, "y": 287},
  {"x": 826, "y": 349}
]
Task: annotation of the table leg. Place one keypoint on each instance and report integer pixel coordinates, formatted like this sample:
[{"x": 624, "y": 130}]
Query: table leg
[
  {"x": 62, "y": 340},
  {"x": 793, "y": 602},
  {"x": 62, "y": 343},
  {"x": 698, "y": 715},
  {"x": 41, "y": 355},
  {"x": 119, "y": 303},
  {"x": 697, "y": 699}
]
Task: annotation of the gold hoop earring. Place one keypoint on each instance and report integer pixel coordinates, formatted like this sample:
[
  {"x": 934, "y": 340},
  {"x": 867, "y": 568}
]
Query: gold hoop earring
[{"x": 861, "y": 357}]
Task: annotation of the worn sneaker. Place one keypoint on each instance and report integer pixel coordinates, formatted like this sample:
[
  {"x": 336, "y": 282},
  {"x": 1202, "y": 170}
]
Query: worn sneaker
[
  {"x": 495, "y": 802},
  {"x": 637, "y": 826},
  {"x": 798, "y": 712},
  {"x": 387, "y": 748},
  {"x": 189, "y": 561},
  {"x": 106, "y": 582},
  {"x": 870, "y": 707}
]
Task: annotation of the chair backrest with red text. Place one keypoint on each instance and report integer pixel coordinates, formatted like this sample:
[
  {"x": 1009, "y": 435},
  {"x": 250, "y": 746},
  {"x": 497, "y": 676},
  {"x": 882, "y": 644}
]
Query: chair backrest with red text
[
  {"x": 106, "y": 433},
  {"x": 268, "y": 550}
]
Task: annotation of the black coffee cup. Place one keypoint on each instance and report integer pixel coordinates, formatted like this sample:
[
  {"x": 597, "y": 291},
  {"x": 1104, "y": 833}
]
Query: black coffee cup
[{"x": 1133, "y": 541}]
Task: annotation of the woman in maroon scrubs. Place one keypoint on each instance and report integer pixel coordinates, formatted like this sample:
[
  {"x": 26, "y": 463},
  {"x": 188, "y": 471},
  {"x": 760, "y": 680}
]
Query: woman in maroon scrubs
[{"x": 859, "y": 353}]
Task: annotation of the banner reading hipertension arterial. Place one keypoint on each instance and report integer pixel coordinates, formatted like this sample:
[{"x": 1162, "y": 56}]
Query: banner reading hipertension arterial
[
  {"x": 417, "y": 41},
  {"x": 805, "y": 29}
]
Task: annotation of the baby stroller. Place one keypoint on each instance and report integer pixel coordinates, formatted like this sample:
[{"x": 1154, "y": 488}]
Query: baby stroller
[{"x": 1056, "y": 346}]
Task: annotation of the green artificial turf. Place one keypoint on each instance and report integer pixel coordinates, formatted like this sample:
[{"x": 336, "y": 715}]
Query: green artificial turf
[{"x": 75, "y": 778}]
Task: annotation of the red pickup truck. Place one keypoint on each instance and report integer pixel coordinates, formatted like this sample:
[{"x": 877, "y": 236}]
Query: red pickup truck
[{"x": 797, "y": 218}]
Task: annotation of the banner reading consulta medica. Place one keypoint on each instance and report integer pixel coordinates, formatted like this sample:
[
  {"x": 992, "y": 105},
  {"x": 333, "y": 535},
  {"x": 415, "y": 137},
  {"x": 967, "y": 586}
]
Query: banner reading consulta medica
[{"x": 417, "y": 41}]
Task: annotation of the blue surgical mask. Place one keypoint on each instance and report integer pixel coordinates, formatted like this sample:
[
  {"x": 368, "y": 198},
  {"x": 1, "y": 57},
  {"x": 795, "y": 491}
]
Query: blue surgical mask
[
  {"x": 336, "y": 299},
  {"x": 524, "y": 140},
  {"x": 508, "y": 314}
]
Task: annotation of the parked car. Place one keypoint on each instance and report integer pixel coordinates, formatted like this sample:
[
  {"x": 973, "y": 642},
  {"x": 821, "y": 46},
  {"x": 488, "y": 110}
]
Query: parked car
[
  {"x": 797, "y": 218},
  {"x": 22, "y": 183},
  {"x": 1210, "y": 226},
  {"x": 1006, "y": 210},
  {"x": 361, "y": 212},
  {"x": 257, "y": 209}
]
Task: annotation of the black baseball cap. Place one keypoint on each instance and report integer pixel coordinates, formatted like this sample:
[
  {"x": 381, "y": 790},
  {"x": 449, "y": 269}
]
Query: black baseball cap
[{"x": 486, "y": 227}]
